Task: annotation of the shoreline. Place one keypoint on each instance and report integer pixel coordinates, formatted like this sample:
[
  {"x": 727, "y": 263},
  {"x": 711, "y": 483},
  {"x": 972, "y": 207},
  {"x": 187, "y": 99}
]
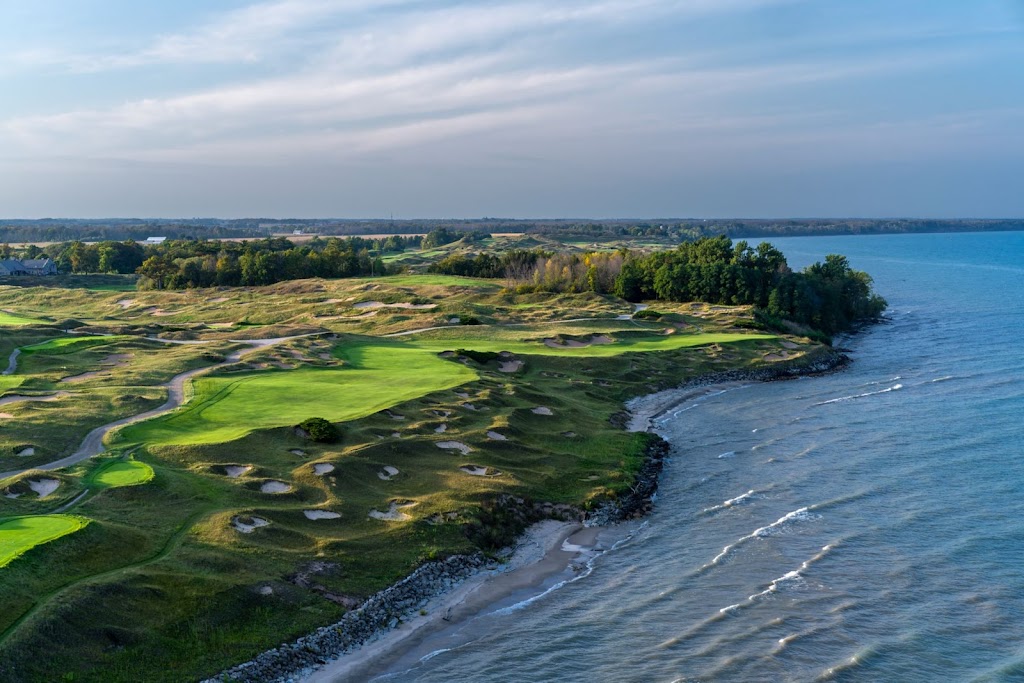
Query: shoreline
[{"x": 476, "y": 584}]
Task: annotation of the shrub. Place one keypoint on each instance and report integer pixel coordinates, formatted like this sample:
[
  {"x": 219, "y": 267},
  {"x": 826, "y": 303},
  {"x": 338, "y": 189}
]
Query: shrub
[
  {"x": 320, "y": 430},
  {"x": 478, "y": 356},
  {"x": 647, "y": 314}
]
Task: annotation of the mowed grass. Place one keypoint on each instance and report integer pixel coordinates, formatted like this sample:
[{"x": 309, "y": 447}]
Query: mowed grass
[
  {"x": 72, "y": 344},
  {"x": 227, "y": 407},
  {"x": 18, "y": 535},
  {"x": 14, "y": 320},
  {"x": 121, "y": 473}
]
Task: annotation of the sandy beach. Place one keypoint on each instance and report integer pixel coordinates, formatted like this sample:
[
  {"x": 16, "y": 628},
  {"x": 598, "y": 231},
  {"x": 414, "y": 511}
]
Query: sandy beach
[{"x": 546, "y": 550}]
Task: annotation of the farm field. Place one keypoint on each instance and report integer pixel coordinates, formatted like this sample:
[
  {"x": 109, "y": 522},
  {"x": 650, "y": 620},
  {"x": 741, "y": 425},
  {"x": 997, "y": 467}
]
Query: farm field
[{"x": 194, "y": 524}]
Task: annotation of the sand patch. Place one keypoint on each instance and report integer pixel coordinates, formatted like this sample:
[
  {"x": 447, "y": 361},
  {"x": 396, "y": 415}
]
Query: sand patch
[
  {"x": 601, "y": 339},
  {"x": 125, "y": 303},
  {"x": 320, "y": 514},
  {"x": 18, "y": 398},
  {"x": 394, "y": 416},
  {"x": 219, "y": 300},
  {"x": 511, "y": 366},
  {"x": 441, "y": 429},
  {"x": 159, "y": 312},
  {"x": 442, "y": 413},
  {"x": 297, "y": 451},
  {"x": 111, "y": 362},
  {"x": 247, "y": 525},
  {"x": 789, "y": 345},
  {"x": 495, "y": 436},
  {"x": 542, "y": 410},
  {"x": 387, "y": 473},
  {"x": 26, "y": 452},
  {"x": 447, "y": 354},
  {"x": 6, "y": 416},
  {"x": 469, "y": 406},
  {"x": 552, "y": 342},
  {"x": 44, "y": 487},
  {"x": 455, "y": 446},
  {"x": 12, "y": 496},
  {"x": 479, "y": 471},
  {"x": 322, "y": 468},
  {"x": 462, "y": 394},
  {"x": 774, "y": 357},
  {"x": 275, "y": 487},
  {"x": 235, "y": 471},
  {"x": 569, "y": 435},
  {"x": 394, "y": 513}
]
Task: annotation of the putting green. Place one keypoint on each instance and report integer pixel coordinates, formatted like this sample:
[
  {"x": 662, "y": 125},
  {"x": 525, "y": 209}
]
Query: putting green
[
  {"x": 18, "y": 535},
  {"x": 377, "y": 376},
  {"x": 14, "y": 320},
  {"x": 631, "y": 343},
  {"x": 121, "y": 473},
  {"x": 71, "y": 344}
]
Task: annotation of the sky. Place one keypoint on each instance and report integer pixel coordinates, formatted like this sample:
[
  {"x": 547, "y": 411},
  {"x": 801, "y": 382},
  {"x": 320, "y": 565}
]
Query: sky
[{"x": 512, "y": 108}]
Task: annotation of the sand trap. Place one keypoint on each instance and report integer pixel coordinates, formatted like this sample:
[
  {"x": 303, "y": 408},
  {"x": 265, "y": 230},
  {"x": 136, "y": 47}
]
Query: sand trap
[
  {"x": 6, "y": 416},
  {"x": 774, "y": 356},
  {"x": 462, "y": 394},
  {"x": 569, "y": 435},
  {"x": 469, "y": 406},
  {"x": 394, "y": 416},
  {"x": 320, "y": 514},
  {"x": 247, "y": 527},
  {"x": 455, "y": 446},
  {"x": 447, "y": 354},
  {"x": 18, "y": 398},
  {"x": 111, "y": 362},
  {"x": 275, "y": 487},
  {"x": 442, "y": 413},
  {"x": 553, "y": 343},
  {"x": 441, "y": 429},
  {"x": 322, "y": 468},
  {"x": 478, "y": 471},
  {"x": 388, "y": 473},
  {"x": 126, "y": 303},
  {"x": 495, "y": 436},
  {"x": 12, "y": 496},
  {"x": 235, "y": 471},
  {"x": 44, "y": 487},
  {"x": 394, "y": 513},
  {"x": 511, "y": 366},
  {"x": 297, "y": 451},
  {"x": 378, "y": 304},
  {"x": 542, "y": 410},
  {"x": 789, "y": 345},
  {"x": 601, "y": 339},
  {"x": 26, "y": 452}
]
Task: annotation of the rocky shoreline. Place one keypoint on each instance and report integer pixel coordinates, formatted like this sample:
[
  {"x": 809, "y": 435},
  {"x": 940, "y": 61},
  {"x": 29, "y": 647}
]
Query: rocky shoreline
[{"x": 386, "y": 609}]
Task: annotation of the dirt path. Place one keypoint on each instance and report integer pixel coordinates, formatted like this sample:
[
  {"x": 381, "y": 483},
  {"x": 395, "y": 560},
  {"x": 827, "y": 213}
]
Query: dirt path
[
  {"x": 92, "y": 445},
  {"x": 12, "y": 363}
]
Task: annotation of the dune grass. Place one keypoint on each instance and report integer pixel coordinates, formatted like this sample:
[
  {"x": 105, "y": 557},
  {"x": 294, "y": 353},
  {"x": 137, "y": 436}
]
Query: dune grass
[
  {"x": 121, "y": 473},
  {"x": 228, "y": 407},
  {"x": 18, "y": 535},
  {"x": 14, "y": 320}
]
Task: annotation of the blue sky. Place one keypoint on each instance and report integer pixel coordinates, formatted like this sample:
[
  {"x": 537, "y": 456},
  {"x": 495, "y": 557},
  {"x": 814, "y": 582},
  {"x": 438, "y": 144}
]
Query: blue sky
[{"x": 519, "y": 108}]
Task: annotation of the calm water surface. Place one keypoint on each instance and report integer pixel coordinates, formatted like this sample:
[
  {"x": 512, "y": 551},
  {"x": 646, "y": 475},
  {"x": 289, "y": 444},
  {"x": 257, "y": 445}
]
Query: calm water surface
[{"x": 865, "y": 526}]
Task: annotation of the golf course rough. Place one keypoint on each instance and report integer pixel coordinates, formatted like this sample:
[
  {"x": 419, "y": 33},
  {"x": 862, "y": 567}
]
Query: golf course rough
[{"x": 18, "y": 535}]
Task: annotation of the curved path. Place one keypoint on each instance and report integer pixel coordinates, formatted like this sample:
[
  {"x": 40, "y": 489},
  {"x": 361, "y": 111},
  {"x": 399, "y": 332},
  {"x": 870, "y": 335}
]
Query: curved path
[
  {"x": 92, "y": 444},
  {"x": 12, "y": 363}
]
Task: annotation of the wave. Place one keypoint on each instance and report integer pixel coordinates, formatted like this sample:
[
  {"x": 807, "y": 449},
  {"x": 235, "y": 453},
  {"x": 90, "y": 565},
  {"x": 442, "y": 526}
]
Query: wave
[
  {"x": 732, "y": 501},
  {"x": 727, "y": 454},
  {"x": 761, "y": 532},
  {"x": 895, "y": 387}
]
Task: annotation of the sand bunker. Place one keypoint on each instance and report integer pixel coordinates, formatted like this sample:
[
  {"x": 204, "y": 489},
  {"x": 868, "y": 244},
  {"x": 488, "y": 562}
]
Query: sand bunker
[
  {"x": 511, "y": 366},
  {"x": 442, "y": 413},
  {"x": 478, "y": 471},
  {"x": 378, "y": 304},
  {"x": 495, "y": 436},
  {"x": 6, "y": 416},
  {"x": 441, "y": 429},
  {"x": 554, "y": 343},
  {"x": 394, "y": 513},
  {"x": 235, "y": 471},
  {"x": 775, "y": 357},
  {"x": 297, "y": 451},
  {"x": 126, "y": 303},
  {"x": 247, "y": 525},
  {"x": 455, "y": 446},
  {"x": 111, "y": 362},
  {"x": 12, "y": 496},
  {"x": 18, "y": 398},
  {"x": 26, "y": 452},
  {"x": 388, "y": 473},
  {"x": 320, "y": 514},
  {"x": 542, "y": 410},
  {"x": 322, "y": 468},
  {"x": 394, "y": 416},
  {"x": 275, "y": 487},
  {"x": 789, "y": 345},
  {"x": 44, "y": 487},
  {"x": 469, "y": 406}
]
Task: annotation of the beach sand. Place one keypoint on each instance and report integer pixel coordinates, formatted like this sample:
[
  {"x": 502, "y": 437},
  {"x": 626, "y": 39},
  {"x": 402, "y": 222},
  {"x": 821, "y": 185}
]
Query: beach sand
[{"x": 538, "y": 557}]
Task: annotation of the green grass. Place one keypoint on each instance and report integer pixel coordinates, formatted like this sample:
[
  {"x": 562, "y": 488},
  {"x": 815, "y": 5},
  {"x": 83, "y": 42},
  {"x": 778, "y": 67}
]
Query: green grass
[
  {"x": 13, "y": 320},
  {"x": 8, "y": 382},
  {"x": 72, "y": 344},
  {"x": 18, "y": 535},
  {"x": 228, "y": 407},
  {"x": 438, "y": 280},
  {"x": 121, "y": 473}
]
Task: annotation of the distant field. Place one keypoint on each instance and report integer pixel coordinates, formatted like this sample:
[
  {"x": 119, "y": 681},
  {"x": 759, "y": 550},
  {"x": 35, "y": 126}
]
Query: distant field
[
  {"x": 18, "y": 535},
  {"x": 229, "y": 407}
]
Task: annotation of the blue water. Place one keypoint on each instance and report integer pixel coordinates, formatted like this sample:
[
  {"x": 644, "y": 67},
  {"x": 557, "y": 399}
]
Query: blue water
[{"x": 864, "y": 526}]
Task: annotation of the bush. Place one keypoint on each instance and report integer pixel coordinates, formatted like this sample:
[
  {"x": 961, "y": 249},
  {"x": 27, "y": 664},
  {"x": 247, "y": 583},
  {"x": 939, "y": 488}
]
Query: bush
[
  {"x": 647, "y": 314},
  {"x": 320, "y": 430},
  {"x": 478, "y": 356}
]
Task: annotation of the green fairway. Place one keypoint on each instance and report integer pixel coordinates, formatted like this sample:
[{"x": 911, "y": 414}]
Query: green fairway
[
  {"x": 18, "y": 535},
  {"x": 377, "y": 376},
  {"x": 71, "y": 344},
  {"x": 121, "y": 473},
  {"x": 443, "y": 340},
  {"x": 13, "y": 320},
  {"x": 10, "y": 382}
]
